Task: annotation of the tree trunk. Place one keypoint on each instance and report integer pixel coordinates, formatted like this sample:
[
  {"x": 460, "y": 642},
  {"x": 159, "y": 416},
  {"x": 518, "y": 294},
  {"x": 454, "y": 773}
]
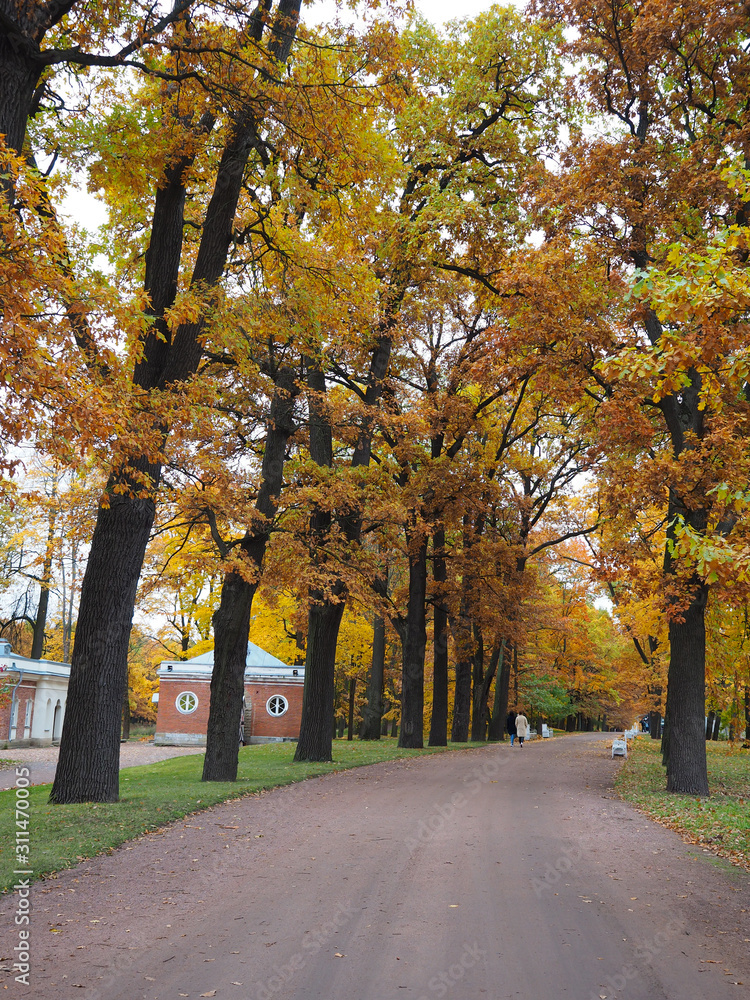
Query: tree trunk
[
  {"x": 352, "y": 693},
  {"x": 482, "y": 690},
  {"x": 414, "y": 643},
  {"x": 439, "y": 719},
  {"x": 654, "y": 725},
  {"x": 372, "y": 714},
  {"x": 88, "y": 765},
  {"x": 126, "y": 715},
  {"x": 462, "y": 702},
  {"x": 710, "y": 724},
  {"x": 717, "y": 726},
  {"x": 231, "y": 628},
  {"x": 386, "y": 724},
  {"x": 462, "y": 642},
  {"x": 326, "y": 609},
  {"x": 19, "y": 76},
  {"x": 316, "y": 727},
  {"x": 686, "y": 763},
  {"x": 231, "y": 619},
  {"x": 40, "y": 623},
  {"x": 500, "y": 706}
]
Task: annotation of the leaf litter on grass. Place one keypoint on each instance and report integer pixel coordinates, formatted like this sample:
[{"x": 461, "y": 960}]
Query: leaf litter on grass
[{"x": 719, "y": 824}]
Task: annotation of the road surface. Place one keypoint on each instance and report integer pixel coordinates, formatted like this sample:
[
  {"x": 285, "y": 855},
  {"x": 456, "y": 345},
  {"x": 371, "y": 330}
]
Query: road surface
[{"x": 495, "y": 873}]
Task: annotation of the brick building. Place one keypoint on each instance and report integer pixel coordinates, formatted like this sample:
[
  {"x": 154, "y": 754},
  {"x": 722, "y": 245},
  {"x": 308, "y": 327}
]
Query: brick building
[
  {"x": 36, "y": 691},
  {"x": 273, "y": 699}
]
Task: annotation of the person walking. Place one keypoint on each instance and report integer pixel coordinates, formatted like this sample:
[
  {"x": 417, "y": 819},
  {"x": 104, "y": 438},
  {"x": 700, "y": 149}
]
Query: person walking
[
  {"x": 510, "y": 725},
  {"x": 522, "y": 728}
]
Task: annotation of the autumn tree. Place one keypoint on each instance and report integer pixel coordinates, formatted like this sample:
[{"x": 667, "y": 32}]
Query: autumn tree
[
  {"x": 670, "y": 88},
  {"x": 466, "y": 124},
  {"x": 168, "y": 354}
]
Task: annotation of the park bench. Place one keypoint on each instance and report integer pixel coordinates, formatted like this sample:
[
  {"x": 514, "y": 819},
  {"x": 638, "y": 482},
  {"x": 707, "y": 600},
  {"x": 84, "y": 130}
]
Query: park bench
[
  {"x": 619, "y": 748},
  {"x": 546, "y": 731}
]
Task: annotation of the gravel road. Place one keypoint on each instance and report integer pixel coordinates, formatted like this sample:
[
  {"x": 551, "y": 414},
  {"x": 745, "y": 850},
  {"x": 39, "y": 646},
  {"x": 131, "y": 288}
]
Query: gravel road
[
  {"x": 491, "y": 873},
  {"x": 42, "y": 761}
]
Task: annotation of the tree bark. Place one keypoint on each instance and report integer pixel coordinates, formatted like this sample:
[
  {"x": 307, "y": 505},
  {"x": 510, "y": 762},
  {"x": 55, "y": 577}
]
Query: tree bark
[
  {"x": 439, "y": 718},
  {"x": 654, "y": 725},
  {"x": 479, "y": 717},
  {"x": 232, "y": 618},
  {"x": 350, "y": 720},
  {"x": 126, "y": 715},
  {"x": 710, "y": 724},
  {"x": 231, "y": 627},
  {"x": 316, "y": 729},
  {"x": 500, "y": 706},
  {"x": 326, "y": 609},
  {"x": 88, "y": 765},
  {"x": 480, "y": 689},
  {"x": 686, "y": 762},
  {"x": 40, "y": 623},
  {"x": 414, "y": 644},
  {"x": 19, "y": 76},
  {"x": 462, "y": 642},
  {"x": 372, "y": 714}
]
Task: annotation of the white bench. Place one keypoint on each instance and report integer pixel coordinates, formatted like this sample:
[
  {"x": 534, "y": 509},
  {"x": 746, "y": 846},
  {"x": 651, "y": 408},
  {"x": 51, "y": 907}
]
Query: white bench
[
  {"x": 546, "y": 731},
  {"x": 619, "y": 748}
]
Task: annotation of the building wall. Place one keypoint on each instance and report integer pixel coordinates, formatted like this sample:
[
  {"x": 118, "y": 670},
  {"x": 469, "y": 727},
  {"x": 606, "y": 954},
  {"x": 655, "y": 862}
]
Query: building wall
[
  {"x": 50, "y": 692},
  {"x": 263, "y": 726},
  {"x": 173, "y": 726},
  {"x": 24, "y": 695}
]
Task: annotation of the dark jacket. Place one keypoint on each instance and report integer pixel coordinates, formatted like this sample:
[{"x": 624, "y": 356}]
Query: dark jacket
[{"x": 510, "y": 723}]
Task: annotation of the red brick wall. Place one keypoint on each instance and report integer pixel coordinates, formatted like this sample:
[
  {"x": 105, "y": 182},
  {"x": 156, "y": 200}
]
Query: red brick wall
[
  {"x": 26, "y": 692},
  {"x": 169, "y": 720},
  {"x": 257, "y": 720},
  {"x": 263, "y": 724}
]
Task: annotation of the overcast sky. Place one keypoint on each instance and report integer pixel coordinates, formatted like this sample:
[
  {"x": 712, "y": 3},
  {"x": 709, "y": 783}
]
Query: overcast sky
[{"x": 438, "y": 11}]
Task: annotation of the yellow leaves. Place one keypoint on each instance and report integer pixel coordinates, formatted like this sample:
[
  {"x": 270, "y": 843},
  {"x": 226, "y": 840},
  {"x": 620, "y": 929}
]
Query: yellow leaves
[
  {"x": 189, "y": 307},
  {"x": 714, "y": 558}
]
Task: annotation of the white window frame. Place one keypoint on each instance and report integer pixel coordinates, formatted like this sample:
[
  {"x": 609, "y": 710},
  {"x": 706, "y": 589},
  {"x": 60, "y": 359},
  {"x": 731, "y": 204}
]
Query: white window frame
[
  {"x": 186, "y": 694},
  {"x": 283, "y": 699}
]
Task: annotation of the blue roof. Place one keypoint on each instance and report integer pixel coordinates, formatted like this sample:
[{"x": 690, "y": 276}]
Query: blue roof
[{"x": 256, "y": 657}]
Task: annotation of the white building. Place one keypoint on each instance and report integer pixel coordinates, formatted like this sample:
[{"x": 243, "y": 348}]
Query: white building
[{"x": 36, "y": 692}]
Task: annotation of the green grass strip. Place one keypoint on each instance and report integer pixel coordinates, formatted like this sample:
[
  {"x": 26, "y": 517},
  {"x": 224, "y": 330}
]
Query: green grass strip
[
  {"x": 720, "y": 824},
  {"x": 153, "y": 795}
]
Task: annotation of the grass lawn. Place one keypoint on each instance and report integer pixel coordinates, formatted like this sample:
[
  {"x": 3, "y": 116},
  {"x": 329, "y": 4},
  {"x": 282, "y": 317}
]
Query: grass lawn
[
  {"x": 720, "y": 823},
  {"x": 155, "y": 794}
]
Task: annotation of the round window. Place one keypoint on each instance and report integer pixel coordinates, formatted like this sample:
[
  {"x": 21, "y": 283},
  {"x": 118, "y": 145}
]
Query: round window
[
  {"x": 277, "y": 704},
  {"x": 186, "y": 702}
]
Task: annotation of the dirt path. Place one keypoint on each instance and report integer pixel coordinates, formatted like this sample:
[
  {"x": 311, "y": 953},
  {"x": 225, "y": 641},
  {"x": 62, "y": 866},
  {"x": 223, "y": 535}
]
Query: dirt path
[
  {"x": 492, "y": 874},
  {"x": 42, "y": 761}
]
